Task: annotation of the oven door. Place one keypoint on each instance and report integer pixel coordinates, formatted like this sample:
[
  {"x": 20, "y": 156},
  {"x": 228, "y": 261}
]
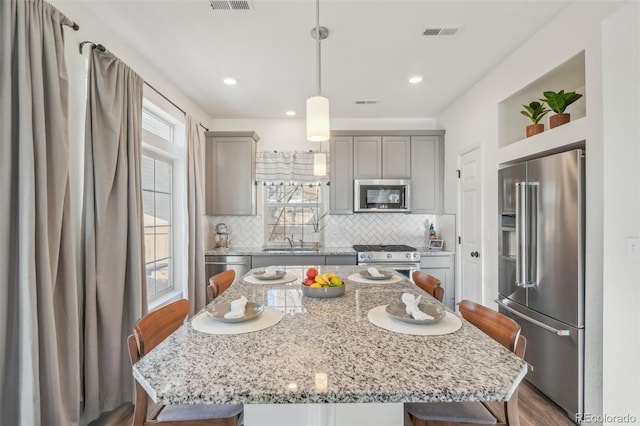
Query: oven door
[{"x": 405, "y": 269}]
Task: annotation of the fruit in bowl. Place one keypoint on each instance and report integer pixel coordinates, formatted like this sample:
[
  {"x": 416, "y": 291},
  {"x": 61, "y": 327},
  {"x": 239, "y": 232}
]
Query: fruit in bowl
[
  {"x": 322, "y": 285},
  {"x": 316, "y": 280}
]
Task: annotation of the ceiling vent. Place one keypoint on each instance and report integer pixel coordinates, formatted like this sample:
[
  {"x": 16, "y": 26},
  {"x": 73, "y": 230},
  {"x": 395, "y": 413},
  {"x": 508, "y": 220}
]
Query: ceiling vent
[
  {"x": 231, "y": 5},
  {"x": 367, "y": 102},
  {"x": 441, "y": 31}
]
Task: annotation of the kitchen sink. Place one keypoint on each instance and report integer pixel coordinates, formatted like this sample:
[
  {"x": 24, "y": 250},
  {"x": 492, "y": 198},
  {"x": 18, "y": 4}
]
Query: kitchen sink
[{"x": 290, "y": 249}]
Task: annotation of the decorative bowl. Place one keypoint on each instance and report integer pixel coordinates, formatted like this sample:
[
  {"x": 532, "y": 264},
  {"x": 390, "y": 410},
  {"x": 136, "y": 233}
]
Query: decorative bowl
[
  {"x": 322, "y": 292},
  {"x": 260, "y": 274},
  {"x": 398, "y": 311},
  {"x": 218, "y": 310}
]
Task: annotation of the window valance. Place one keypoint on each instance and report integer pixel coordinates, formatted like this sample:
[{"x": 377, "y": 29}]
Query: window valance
[{"x": 288, "y": 166}]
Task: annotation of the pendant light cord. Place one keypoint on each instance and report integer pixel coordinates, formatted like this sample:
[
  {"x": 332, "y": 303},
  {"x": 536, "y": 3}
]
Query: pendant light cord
[{"x": 318, "y": 59}]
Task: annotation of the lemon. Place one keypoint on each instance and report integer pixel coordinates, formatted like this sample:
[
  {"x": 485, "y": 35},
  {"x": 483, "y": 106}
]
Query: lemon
[{"x": 316, "y": 285}]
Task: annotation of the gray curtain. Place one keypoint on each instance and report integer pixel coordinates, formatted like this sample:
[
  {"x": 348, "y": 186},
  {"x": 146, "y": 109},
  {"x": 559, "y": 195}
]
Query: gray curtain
[
  {"x": 114, "y": 275},
  {"x": 195, "y": 208},
  {"x": 39, "y": 355}
]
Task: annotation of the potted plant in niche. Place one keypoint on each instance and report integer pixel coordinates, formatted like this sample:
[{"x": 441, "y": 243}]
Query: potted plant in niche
[
  {"x": 534, "y": 112},
  {"x": 558, "y": 102}
]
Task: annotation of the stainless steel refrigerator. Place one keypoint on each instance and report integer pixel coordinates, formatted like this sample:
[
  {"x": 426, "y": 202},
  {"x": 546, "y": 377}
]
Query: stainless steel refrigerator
[{"x": 541, "y": 269}]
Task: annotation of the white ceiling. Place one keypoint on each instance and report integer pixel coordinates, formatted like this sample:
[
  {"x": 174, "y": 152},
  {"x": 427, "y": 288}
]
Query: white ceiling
[{"x": 372, "y": 49}]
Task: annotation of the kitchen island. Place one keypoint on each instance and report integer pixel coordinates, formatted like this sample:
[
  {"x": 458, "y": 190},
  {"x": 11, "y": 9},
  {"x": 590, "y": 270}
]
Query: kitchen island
[{"x": 364, "y": 364}]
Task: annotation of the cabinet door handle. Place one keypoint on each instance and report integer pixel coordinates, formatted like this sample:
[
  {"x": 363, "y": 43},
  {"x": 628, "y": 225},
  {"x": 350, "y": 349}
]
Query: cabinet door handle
[{"x": 475, "y": 254}]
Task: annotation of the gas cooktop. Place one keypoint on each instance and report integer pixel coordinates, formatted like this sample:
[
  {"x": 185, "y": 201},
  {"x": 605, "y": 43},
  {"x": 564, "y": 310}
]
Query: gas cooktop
[{"x": 383, "y": 247}]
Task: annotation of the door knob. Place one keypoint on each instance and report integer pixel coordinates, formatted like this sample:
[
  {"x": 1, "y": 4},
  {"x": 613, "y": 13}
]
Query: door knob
[{"x": 475, "y": 254}]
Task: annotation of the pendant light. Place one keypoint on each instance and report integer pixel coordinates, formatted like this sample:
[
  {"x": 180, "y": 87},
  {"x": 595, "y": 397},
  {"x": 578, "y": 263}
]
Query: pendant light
[
  {"x": 318, "y": 106},
  {"x": 319, "y": 164}
]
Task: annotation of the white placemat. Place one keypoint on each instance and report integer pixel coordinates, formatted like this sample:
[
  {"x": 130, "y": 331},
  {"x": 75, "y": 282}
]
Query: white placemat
[
  {"x": 360, "y": 279},
  {"x": 206, "y": 324},
  {"x": 378, "y": 316},
  {"x": 286, "y": 279}
]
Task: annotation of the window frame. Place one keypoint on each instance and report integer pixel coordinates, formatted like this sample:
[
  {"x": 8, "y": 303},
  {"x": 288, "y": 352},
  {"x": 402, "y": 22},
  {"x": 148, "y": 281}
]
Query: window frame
[
  {"x": 174, "y": 152},
  {"x": 267, "y": 228}
]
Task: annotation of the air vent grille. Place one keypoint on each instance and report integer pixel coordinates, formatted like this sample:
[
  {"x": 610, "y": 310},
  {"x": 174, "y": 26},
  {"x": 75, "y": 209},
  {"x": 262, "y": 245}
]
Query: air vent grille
[
  {"x": 367, "y": 102},
  {"x": 441, "y": 31},
  {"x": 231, "y": 5}
]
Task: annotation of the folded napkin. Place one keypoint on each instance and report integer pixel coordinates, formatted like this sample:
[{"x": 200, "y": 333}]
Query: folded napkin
[
  {"x": 270, "y": 271},
  {"x": 374, "y": 272},
  {"x": 237, "y": 308},
  {"x": 412, "y": 307}
]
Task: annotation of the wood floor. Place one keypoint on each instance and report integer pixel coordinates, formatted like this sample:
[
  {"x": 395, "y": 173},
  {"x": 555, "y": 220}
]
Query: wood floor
[{"x": 535, "y": 410}]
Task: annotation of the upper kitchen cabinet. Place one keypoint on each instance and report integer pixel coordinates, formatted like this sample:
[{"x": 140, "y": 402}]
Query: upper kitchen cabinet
[
  {"x": 341, "y": 188},
  {"x": 427, "y": 174},
  {"x": 382, "y": 157},
  {"x": 389, "y": 154},
  {"x": 230, "y": 173}
]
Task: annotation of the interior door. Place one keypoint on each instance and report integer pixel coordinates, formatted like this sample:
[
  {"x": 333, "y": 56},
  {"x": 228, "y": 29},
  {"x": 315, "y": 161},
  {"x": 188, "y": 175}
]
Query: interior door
[{"x": 470, "y": 227}]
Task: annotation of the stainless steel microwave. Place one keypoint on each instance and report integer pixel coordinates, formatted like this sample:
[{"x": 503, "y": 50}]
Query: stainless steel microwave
[{"x": 382, "y": 195}]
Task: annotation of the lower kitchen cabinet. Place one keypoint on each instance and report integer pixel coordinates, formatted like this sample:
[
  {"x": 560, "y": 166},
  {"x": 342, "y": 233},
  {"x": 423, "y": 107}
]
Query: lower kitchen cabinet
[
  {"x": 262, "y": 261},
  {"x": 442, "y": 267},
  {"x": 286, "y": 260},
  {"x": 340, "y": 259}
]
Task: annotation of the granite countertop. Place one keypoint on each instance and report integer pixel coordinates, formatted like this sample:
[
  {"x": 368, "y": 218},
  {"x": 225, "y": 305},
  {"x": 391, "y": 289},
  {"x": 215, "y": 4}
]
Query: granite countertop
[
  {"x": 322, "y": 251},
  {"x": 364, "y": 363},
  {"x": 255, "y": 251}
]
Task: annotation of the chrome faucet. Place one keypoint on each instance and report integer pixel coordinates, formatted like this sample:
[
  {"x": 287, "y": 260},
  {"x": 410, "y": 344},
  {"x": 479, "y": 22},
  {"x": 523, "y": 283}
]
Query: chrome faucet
[{"x": 290, "y": 241}]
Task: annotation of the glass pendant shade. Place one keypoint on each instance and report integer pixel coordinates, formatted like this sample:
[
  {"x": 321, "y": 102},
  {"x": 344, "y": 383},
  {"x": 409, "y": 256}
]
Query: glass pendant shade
[
  {"x": 319, "y": 164},
  {"x": 318, "y": 119}
]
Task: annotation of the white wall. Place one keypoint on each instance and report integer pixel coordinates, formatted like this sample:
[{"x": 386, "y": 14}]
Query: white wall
[
  {"x": 474, "y": 119},
  {"x": 621, "y": 293},
  {"x": 93, "y": 29}
]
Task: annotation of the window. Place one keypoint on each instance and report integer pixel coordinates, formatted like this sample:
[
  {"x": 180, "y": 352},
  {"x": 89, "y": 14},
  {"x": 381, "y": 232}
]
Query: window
[
  {"x": 157, "y": 203},
  {"x": 163, "y": 183},
  {"x": 291, "y": 212}
]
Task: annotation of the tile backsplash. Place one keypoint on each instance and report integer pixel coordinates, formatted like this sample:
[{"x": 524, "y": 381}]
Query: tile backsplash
[{"x": 346, "y": 230}]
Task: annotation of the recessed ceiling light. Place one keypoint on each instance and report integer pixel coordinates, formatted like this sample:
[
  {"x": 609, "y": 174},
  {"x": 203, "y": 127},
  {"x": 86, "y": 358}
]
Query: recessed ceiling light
[
  {"x": 415, "y": 79},
  {"x": 290, "y": 113},
  {"x": 230, "y": 81}
]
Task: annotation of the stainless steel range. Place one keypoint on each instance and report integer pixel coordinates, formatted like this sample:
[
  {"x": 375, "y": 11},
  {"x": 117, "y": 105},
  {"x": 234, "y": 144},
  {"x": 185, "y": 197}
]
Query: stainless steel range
[{"x": 401, "y": 258}]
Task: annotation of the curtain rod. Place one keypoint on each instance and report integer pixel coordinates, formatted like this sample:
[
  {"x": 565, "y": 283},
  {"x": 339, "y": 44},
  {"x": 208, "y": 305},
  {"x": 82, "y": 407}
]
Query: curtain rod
[
  {"x": 73, "y": 25},
  {"x": 101, "y": 48},
  {"x": 171, "y": 102}
]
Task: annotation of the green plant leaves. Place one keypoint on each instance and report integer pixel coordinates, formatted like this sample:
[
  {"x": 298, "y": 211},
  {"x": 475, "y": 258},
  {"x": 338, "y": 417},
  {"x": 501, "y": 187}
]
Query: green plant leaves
[
  {"x": 559, "y": 101},
  {"x": 534, "y": 111}
]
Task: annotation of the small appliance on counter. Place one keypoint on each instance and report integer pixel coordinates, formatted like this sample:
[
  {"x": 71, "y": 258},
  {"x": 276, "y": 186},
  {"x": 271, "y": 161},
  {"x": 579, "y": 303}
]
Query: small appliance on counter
[{"x": 221, "y": 237}]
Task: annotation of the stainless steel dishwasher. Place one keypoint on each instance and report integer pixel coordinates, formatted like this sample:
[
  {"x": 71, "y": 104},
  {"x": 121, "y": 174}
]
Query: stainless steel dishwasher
[{"x": 215, "y": 264}]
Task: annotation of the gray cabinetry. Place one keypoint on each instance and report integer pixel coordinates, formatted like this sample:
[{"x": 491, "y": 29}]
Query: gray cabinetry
[
  {"x": 259, "y": 261},
  {"x": 427, "y": 184},
  {"x": 341, "y": 196},
  {"x": 230, "y": 173},
  {"x": 367, "y": 157},
  {"x": 442, "y": 267},
  {"x": 382, "y": 157},
  {"x": 262, "y": 261},
  {"x": 340, "y": 259},
  {"x": 396, "y": 157},
  {"x": 417, "y": 155}
]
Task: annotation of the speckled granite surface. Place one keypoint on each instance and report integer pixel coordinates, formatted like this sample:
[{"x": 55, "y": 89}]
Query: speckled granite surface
[
  {"x": 254, "y": 251},
  {"x": 364, "y": 363}
]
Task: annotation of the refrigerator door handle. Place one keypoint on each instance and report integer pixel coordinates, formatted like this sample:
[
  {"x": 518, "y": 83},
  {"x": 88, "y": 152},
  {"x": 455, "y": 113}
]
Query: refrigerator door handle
[
  {"x": 526, "y": 232},
  {"x": 533, "y": 321}
]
